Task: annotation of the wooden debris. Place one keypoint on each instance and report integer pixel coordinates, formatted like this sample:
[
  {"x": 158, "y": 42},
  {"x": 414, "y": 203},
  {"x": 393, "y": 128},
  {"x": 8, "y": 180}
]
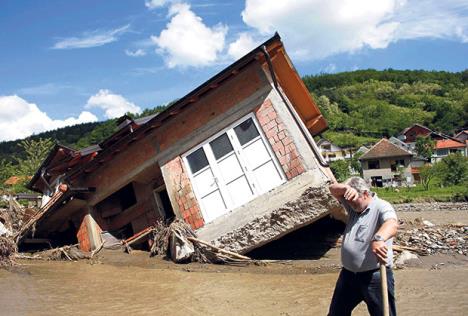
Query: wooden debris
[
  {"x": 203, "y": 251},
  {"x": 7, "y": 251}
]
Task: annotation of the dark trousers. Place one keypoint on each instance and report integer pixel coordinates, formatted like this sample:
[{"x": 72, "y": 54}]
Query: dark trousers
[{"x": 353, "y": 288}]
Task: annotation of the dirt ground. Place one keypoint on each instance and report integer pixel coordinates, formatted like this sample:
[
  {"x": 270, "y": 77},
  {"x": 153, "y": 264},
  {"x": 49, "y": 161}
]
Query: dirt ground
[{"x": 135, "y": 284}]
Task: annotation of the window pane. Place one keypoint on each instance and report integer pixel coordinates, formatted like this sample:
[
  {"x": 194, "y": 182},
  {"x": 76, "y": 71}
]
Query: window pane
[
  {"x": 221, "y": 146},
  {"x": 246, "y": 131},
  {"x": 197, "y": 160}
]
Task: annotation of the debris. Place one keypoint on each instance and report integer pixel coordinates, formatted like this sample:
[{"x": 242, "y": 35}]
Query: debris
[
  {"x": 179, "y": 242},
  {"x": 67, "y": 253},
  {"x": 427, "y": 223},
  {"x": 4, "y": 231},
  {"x": 138, "y": 236},
  {"x": 426, "y": 240},
  {"x": 406, "y": 257},
  {"x": 7, "y": 251}
]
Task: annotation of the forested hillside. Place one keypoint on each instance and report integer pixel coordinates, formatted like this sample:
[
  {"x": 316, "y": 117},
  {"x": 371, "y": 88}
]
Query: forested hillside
[{"x": 362, "y": 106}]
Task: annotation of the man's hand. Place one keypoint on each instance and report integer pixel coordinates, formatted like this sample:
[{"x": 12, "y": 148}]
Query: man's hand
[
  {"x": 379, "y": 248},
  {"x": 351, "y": 194}
]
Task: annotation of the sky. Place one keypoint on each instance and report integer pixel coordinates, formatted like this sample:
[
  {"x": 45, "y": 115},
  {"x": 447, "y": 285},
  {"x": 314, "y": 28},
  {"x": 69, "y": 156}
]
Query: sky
[{"x": 69, "y": 62}]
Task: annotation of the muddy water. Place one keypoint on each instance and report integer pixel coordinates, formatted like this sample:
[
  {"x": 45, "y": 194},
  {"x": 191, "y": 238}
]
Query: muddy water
[{"x": 79, "y": 288}]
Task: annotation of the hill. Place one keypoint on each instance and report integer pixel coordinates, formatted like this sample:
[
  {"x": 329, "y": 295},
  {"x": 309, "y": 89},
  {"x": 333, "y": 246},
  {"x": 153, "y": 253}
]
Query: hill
[{"x": 364, "y": 105}]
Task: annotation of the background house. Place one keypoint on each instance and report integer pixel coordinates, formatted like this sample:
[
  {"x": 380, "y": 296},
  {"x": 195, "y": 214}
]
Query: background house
[
  {"x": 444, "y": 147},
  {"x": 462, "y": 136},
  {"x": 332, "y": 152},
  {"x": 386, "y": 164}
]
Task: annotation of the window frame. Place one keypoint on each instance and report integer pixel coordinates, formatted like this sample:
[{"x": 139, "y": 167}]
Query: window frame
[{"x": 213, "y": 164}]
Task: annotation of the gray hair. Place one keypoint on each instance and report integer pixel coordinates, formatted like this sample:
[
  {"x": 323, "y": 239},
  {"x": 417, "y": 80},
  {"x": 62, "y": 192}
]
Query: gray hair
[{"x": 359, "y": 184}]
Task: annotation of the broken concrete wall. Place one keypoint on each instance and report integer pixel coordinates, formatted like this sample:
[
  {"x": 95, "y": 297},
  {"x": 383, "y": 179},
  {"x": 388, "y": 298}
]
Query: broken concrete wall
[
  {"x": 313, "y": 204},
  {"x": 291, "y": 206}
]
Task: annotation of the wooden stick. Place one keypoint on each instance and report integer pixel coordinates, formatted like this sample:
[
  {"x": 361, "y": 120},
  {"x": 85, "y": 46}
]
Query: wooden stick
[
  {"x": 95, "y": 251},
  {"x": 236, "y": 255},
  {"x": 401, "y": 248},
  {"x": 139, "y": 235},
  {"x": 383, "y": 282}
]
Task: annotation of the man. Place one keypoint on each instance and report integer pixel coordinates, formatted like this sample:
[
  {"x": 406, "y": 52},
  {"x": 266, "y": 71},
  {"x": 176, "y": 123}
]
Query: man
[{"x": 367, "y": 241}]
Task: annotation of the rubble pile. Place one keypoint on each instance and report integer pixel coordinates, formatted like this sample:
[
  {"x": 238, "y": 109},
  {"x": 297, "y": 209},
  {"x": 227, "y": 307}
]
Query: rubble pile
[
  {"x": 429, "y": 239},
  {"x": 67, "y": 253},
  {"x": 179, "y": 242},
  {"x": 7, "y": 251},
  {"x": 433, "y": 206}
]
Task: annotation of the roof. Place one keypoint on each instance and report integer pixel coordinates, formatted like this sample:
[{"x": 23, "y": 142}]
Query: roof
[
  {"x": 14, "y": 180},
  {"x": 461, "y": 133},
  {"x": 415, "y": 125},
  {"x": 272, "y": 50},
  {"x": 449, "y": 143},
  {"x": 384, "y": 148}
]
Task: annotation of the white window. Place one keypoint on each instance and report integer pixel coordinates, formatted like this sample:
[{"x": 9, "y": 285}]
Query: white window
[{"x": 232, "y": 167}]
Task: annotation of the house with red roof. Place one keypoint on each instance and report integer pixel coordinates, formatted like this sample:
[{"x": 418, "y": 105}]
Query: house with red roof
[{"x": 444, "y": 147}]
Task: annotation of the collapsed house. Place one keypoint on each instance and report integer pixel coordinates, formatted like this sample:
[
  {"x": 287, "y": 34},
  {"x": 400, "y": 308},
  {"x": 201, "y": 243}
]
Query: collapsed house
[{"x": 235, "y": 159}]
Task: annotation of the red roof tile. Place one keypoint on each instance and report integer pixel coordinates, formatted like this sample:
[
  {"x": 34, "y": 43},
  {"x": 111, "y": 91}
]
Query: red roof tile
[{"x": 448, "y": 143}]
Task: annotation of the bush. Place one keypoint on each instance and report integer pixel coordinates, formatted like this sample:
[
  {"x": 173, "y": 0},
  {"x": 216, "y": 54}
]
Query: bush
[{"x": 452, "y": 170}]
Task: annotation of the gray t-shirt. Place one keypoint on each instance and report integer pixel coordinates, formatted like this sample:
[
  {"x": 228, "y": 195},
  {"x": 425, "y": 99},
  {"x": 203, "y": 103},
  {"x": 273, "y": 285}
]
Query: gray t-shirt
[{"x": 356, "y": 251}]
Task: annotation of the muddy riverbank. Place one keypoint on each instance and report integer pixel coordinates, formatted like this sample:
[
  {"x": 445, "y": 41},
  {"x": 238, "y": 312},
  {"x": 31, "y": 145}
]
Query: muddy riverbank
[{"x": 121, "y": 284}]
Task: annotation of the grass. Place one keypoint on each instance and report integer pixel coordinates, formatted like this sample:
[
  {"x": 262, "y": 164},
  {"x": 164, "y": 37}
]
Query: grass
[{"x": 418, "y": 194}]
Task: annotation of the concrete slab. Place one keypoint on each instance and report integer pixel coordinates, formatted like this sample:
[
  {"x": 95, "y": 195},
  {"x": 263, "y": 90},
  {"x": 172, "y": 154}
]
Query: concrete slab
[{"x": 291, "y": 206}]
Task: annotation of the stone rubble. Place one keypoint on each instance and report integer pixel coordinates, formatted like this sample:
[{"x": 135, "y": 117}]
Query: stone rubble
[
  {"x": 434, "y": 206},
  {"x": 430, "y": 239}
]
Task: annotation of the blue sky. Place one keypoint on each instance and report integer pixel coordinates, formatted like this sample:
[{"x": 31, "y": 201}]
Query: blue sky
[{"x": 66, "y": 62}]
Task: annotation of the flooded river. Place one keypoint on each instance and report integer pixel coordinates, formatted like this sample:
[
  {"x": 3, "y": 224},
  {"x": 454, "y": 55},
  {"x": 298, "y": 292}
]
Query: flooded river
[{"x": 80, "y": 288}]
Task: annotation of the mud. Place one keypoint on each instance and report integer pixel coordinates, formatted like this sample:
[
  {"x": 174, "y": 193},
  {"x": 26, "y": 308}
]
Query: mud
[{"x": 135, "y": 284}]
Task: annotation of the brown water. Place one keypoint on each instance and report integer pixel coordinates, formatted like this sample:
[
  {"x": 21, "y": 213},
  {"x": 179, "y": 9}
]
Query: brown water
[{"x": 79, "y": 288}]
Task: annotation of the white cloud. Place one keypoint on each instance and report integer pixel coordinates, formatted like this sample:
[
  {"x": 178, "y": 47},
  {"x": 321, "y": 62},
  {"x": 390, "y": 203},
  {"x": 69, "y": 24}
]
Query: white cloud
[
  {"x": 114, "y": 105},
  {"x": 137, "y": 53},
  {"x": 154, "y": 4},
  {"x": 314, "y": 29},
  {"x": 242, "y": 45},
  {"x": 91, "y": 38},
  {"x": 187, "y": 41},
  {"x": 433, "y": 19},
  {"x": 20, "y": 119}
]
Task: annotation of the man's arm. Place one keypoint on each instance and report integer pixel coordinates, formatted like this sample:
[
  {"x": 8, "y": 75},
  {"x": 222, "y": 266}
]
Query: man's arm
[
  {"x": 340, "y": 191},
  {"x": 387, "y": 230}
]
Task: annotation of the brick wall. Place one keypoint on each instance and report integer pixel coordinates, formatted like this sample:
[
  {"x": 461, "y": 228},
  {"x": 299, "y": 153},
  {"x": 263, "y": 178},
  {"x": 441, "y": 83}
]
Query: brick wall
[
  {"x": 183, "y": 193},
  {"x": 280, "y": 140},
  {"x": 82, "y": 235}
]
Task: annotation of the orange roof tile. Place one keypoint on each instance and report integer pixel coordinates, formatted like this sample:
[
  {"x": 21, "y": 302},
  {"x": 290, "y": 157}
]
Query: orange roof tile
[{"x": 448, "y": 143}]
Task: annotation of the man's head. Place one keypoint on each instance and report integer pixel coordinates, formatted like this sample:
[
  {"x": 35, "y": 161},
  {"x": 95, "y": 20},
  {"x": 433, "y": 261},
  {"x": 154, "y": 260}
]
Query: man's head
[{"x": 365, "y": 197}]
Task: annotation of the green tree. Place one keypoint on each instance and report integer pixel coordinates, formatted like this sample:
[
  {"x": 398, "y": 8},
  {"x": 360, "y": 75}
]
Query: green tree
[
  {"x": 340, "y": 169},
  {"x": 452, "y": 170},
  {"x": 6, "y": 171},
  {"x": 426, "y": 174},
  {"x": 36, "y": 151},
  {"x": 424, "y": 147}
]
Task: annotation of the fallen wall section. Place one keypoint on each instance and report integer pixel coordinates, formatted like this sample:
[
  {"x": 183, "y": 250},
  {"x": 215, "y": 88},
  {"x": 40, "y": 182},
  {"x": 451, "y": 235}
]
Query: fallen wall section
[{"x": 313, "y": 204}]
